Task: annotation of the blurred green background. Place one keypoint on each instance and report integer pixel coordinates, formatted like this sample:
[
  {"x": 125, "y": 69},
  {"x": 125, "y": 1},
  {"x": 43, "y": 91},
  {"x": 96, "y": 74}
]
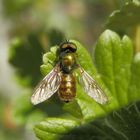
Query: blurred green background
[{"x": 27, "y": 30}]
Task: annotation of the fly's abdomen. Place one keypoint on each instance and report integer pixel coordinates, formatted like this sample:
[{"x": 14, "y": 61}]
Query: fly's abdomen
[{"x": 67, "y": 89}]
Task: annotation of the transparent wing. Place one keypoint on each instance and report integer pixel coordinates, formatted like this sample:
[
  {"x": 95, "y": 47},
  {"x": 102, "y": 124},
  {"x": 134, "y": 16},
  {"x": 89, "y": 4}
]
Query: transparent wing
[
  {"x": 92, "y": 88},
  {"x": 47, "y": 87}
]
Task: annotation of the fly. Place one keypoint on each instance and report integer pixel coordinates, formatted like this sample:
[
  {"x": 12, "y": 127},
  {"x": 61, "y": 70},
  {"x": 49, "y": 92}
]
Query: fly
[{"x": 62, "y": 80}]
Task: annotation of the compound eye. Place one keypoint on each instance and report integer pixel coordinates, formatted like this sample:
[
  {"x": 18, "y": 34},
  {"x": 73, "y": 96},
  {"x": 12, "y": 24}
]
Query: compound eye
[
  {"x": 68, "y": 47},
  {"x": 64, "y": 46},
  {"x": 73, "y": 46}
]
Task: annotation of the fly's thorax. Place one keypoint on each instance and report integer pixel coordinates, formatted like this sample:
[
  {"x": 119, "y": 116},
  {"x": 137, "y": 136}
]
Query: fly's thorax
[
  {"x": 67, "y": 89},
  {"x": 68, "y": 62}
]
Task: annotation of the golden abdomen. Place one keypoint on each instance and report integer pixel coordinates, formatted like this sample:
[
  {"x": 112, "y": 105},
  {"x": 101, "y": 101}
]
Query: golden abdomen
[{"x": 67, "y": 89}]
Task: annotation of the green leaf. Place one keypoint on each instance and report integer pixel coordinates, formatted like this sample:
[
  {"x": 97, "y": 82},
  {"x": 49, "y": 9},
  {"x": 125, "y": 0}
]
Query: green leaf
[
  {"x": 48, "y": 60},
  {"x": 113, "y": 69},
  {"x": 26, "y": 56},
  {"x": 53, "y": 128},
  {"x": 71, "y": 107},
  {"x": 134, "y": 86},
  {"x": 119, "y": 125},
  {"x": 113, "y": 58},
  {"x": 127, "y": 16}
]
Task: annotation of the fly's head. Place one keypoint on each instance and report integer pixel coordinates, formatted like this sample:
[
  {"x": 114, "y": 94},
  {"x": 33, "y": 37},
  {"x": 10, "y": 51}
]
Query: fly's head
[{"x": 67, "y": 47}]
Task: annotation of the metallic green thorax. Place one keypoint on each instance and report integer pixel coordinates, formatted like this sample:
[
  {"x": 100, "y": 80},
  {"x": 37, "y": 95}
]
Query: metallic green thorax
[{"x": 68, "y": 62}]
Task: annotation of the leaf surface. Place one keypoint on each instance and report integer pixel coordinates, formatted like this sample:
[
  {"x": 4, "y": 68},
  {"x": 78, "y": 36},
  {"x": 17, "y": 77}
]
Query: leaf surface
[{"x": 116, "y": 72}]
